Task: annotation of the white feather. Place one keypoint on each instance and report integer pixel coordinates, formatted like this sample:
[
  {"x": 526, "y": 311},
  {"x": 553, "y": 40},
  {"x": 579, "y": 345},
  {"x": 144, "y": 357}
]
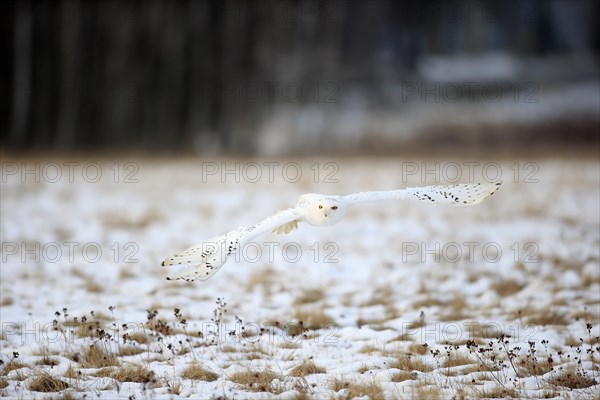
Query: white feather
[
  {"x": 202, "y": 261},
  {"x": 457, "y": 195}
]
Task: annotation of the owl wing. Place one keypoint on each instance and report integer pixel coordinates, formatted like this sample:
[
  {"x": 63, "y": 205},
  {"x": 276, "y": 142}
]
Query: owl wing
[
  {"x": 457, "y": 195},
  {"x": 202, "y": 261}
]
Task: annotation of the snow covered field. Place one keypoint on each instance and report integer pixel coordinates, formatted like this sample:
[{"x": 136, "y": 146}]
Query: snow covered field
[{"x": 399, "y": 300}]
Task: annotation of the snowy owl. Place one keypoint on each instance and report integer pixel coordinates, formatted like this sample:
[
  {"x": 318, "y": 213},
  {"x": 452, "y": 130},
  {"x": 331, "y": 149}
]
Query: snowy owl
[{"x": 204, "y": 260}]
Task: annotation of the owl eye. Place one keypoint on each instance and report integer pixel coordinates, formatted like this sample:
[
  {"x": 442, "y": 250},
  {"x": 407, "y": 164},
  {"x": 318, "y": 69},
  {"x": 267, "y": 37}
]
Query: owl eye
[
  {"x": 334, "y": 208},
  {"x": 320, "y": 206}
]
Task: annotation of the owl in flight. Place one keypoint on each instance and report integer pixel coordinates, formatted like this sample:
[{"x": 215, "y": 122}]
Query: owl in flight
[{"x": 204, "y": 260}]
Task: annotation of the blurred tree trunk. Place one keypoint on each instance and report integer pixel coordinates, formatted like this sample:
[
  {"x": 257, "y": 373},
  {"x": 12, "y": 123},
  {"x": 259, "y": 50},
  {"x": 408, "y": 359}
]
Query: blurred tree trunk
[
  {"x": 69, "y": 75},
  {"x": 22, "y": 85}
]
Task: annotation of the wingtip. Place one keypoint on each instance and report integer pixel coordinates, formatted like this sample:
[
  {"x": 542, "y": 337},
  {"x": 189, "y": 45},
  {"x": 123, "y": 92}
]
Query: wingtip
[{"x": 496, "y": 187}]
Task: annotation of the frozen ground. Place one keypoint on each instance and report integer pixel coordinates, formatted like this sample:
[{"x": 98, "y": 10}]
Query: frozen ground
[{"x": 399, "y": 300}]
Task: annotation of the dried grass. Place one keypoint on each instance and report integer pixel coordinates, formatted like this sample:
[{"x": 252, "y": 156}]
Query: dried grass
[
  {"x": 545, "y": 317},
  {"x": 7, "y": 301},
  {"x": 313, "y": 319},
  {"x": 418, "y": 348},
  {"x": 92, "y": 286},
  {"x": 408, "y": 363},
  {"x": 198, "y": 373},
  {"x": 404, "y": 376},
  {"x": 571, "y": 378},
  {"x": 455, "y": 360},
  {"x": 507, "y": 287},
  {"x": 13, "y": 365},
  {"x": 44, "y": 382},
  {"x": 307, "y": 368},
  {"x": 126, "y": 351},
  {"x": 72, "y": 373},
  {"x": 47, "y": 360},
  {"x": 133, "y": 373},
  {"x": 497, "y": 392},
  {"x": 139, "y": 337},
  {"x": 372, "y": 390},
  {"x": 96, "y": 357},
  {"x": 254, "y": 380},
  {"x": 310, "y": 296},
  {"x": 534, "y": 367},
  {"x": 427, "y": 392}
]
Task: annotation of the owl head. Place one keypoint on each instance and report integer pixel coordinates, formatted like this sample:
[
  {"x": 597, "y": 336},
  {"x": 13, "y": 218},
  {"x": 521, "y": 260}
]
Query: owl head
[{"x": 325, "y": 211}]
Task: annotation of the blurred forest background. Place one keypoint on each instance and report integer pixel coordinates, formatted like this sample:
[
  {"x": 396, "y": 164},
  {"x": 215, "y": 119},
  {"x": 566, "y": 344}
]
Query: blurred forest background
[{"x": 273, "y": 77}]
